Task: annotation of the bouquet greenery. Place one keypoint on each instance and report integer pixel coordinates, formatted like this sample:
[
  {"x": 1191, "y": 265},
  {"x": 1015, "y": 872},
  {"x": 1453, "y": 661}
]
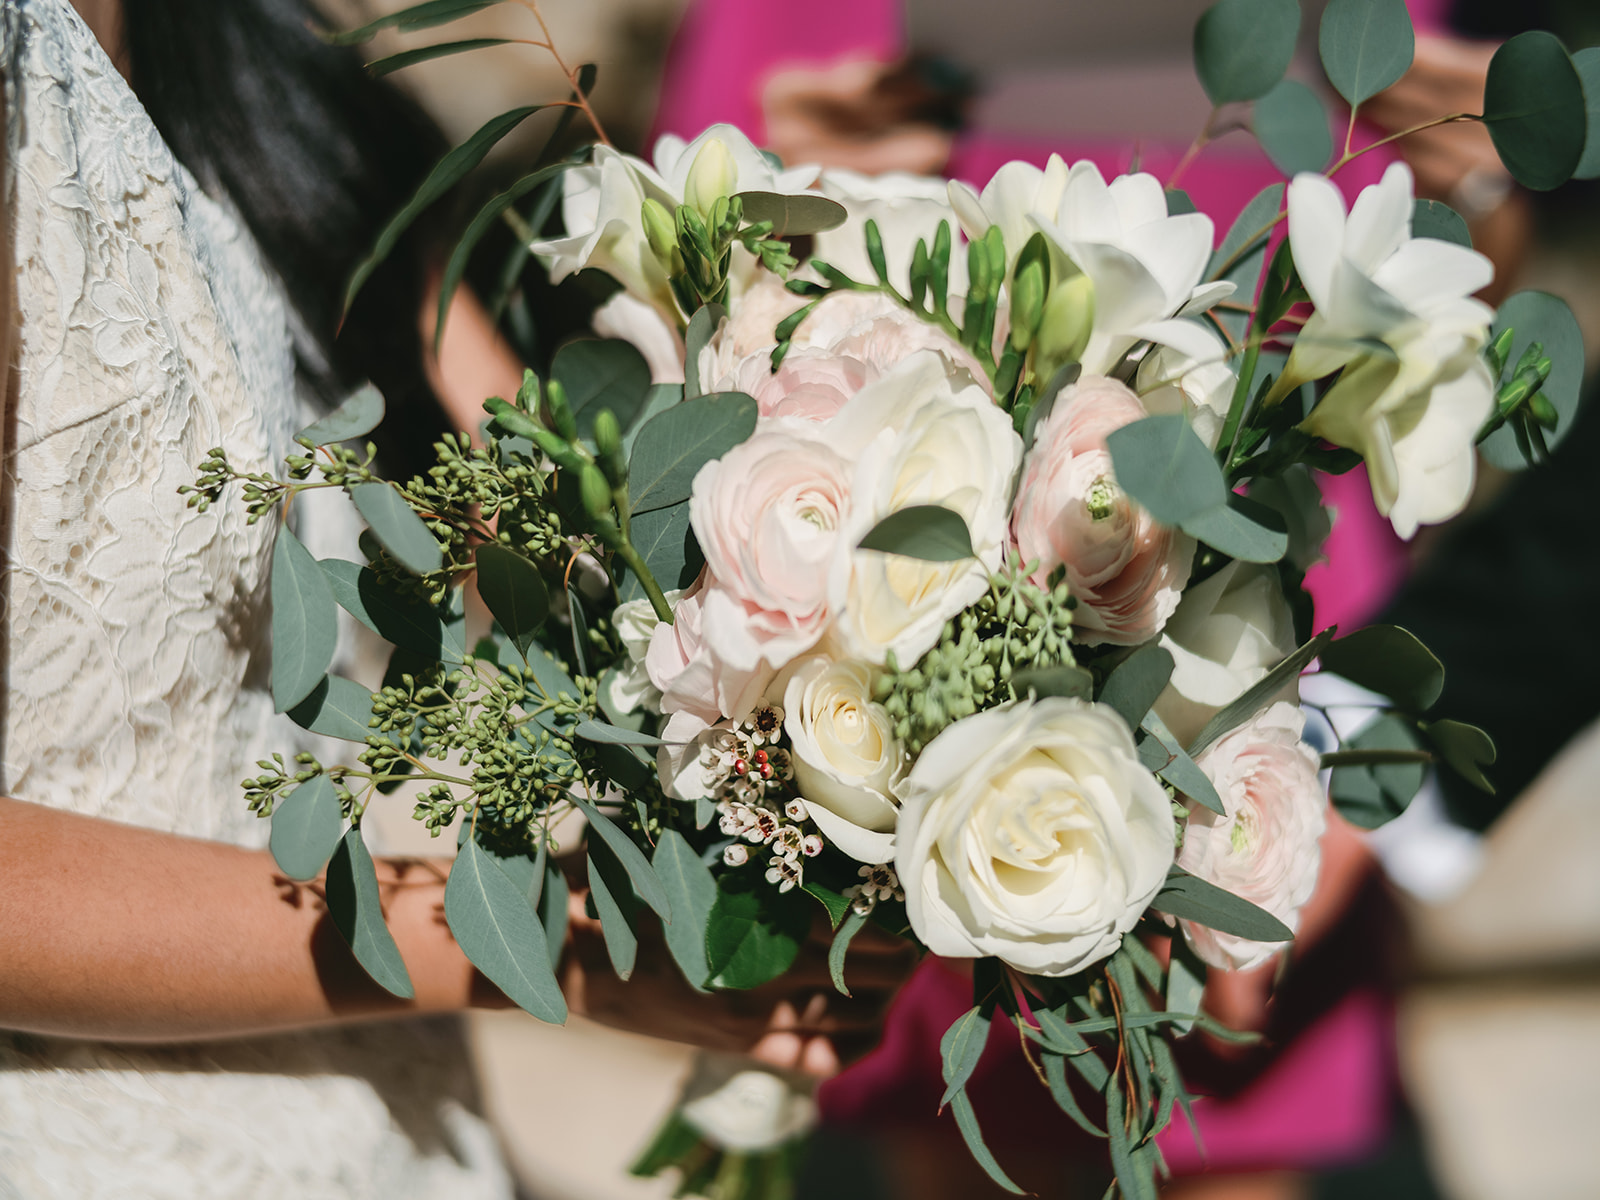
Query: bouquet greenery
[{"x": 957, "y": 586}]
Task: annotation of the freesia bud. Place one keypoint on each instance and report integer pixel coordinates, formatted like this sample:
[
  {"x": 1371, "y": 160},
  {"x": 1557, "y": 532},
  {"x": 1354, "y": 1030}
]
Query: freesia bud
[
  {"x": 712, "y": 176},
  {"x": 595, "y": 493},
  {"x": 1068, "y": 320},
  {"x": 1027, "y": 302},
  {"x": 659, "y": 230}
]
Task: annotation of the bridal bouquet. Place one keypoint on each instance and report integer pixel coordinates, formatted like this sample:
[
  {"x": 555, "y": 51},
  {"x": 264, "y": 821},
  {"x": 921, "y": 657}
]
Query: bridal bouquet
[{"x": 927, "y": 556}]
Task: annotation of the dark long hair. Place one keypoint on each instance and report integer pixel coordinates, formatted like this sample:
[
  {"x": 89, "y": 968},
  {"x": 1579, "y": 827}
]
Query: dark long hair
[{"x": 316, "y": 156}]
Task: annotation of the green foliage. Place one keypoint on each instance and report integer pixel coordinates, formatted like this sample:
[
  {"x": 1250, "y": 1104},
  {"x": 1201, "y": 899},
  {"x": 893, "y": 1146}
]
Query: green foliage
[
  {"x": 616, "y": 905},
  {"x": 404, "y": 621},
  {"x": 1238, "y": 260},
  {"x": 852, "y": 924},
  {"x": 410, "y": 58},
  {"x": 409, "y": 19},
  {"x": 601, "y": 373},
  {"x": 305, "y": 626},
  {"x": 1466, "y": 748},
  {"x": 1390, "y": 661},
  {"x": 1257, "y": 697},
  {"x": 793, "y": 216},
  {"x": 930, "y": 532},
  {"x": 1136, "y": 682},
  {"x": 351, "y": 889},
  {"x": 357, "y": 416},
  {"x": 1434, "y": 219},
  {"x": 1587, "y": 62},
  {"x": 1371, "y": 794},
  {"x": 398, "y": 528},
  {"x": 1162, "y": 753},
  {"x": 1186, "y": 983},
  {"x": 1242, "y": 528},
  {"x": 667, "y": 544},
  {"x": 702, "y": 328},
  {"x": 961, "y": 1048},
  {"x": 306, "y": 827},
  {"x": 498, "y": 930},
  {"x": 1514, "y": 436},
  {"x": 692, "y": 890},
  {"x": 514, "y": 592},
  {"x": 753, "y": 934},
  {"x": 1191, "y": 898},
  {"x": 1243, "y": 47},
  {"x": 1292, "y": 127},
  {"x": 337, "y": 707},
  {"x": 967, "y": 1122},
  {"x": 1366, "y": 46},
  {"x": 1534, "y": 106},
  {"x": 1162, "y": 463},
  {"x": 1054, "y": 681},
  {"x": 629, "y": 856},
  {"x": 673, "y": 446}
]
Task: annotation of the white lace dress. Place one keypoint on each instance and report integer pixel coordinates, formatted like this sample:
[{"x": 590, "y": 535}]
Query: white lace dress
[{"x": 135, "y": 652}]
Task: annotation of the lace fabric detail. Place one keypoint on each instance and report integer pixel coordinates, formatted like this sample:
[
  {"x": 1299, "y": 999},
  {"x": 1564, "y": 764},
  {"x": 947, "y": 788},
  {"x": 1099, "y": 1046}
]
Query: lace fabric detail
[{"x": 136, "y": 646}]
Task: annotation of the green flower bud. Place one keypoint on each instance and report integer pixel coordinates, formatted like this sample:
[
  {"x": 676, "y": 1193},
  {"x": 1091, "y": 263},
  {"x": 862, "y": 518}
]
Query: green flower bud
[
  {"x": 711, "y": 176},
  {"x": 659, "y": 230},
  {"x": 608, "y": 441},
  {"x": 1543, "y": 411},
  {"x": 595, "y": 493},
  {"x": 560, "y": 411},
  {"x": 1067, "y": 321}
]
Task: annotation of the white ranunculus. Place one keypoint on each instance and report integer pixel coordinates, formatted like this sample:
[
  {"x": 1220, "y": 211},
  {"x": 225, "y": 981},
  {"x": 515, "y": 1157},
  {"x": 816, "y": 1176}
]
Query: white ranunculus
[
  {"x": 1198, "y": 386},
  {"x": 905, "y": 207},
  {"x": 1413, "y": 409},
  {"x": 602, "y": 202},
  {"x": 919, "y": 435},
  {"x": 847, "y": 760},
  {"x": 629, "y": 687},
  {"x": 1266, "y": 850},
  {"x": 1032, "y": 833},
  {"x": 1229, "y": 631},
  {"x": 1145, "y": 266}
]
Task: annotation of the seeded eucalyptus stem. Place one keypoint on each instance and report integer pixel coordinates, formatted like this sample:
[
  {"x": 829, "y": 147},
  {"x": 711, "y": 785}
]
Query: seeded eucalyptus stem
[{"x": 647, "y": 580}]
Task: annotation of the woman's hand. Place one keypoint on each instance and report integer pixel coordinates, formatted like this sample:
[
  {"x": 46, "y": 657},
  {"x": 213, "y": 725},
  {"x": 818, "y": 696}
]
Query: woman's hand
[{"x": 797, "y": 1021}]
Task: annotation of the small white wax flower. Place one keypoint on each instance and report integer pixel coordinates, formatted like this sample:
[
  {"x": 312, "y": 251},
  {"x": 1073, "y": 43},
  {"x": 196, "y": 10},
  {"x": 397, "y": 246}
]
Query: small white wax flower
[
  {"x": 736, "y": 855},
  {"x": 812, "y": 846},
  {"x": 795, "y": 810}
]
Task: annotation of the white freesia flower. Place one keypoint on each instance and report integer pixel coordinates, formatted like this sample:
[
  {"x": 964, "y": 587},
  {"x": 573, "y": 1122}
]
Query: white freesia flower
[
  {"x": 847, "y": 760},
  {"x": 602, "y": 203},
  {"x": 1229, "y": 631},
  {"x": 1198, "y": 386},
  {"x": 1266, "y": 850},
  {"x": 1412, "y": 410},
  {"x": 630, "y": 319},
  {"x": 921, "y": 434},
  {"x": 1145, "y": 266},
  {"x": 1032, "y": 833},
  {"x": 906, "y": 208},
  {"x": 629, "y": 686}
]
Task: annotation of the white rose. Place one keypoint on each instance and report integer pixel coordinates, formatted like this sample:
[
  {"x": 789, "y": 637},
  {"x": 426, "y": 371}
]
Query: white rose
[
  {"x": 629, "y": 687},
  {"x": 1032, "y": 833},
  {"x": 847, "y": 760},
  {"x": 919, "y": 438},
  {"x": 1266, "y": 849},
  {"x": 1229, "y": 631}
]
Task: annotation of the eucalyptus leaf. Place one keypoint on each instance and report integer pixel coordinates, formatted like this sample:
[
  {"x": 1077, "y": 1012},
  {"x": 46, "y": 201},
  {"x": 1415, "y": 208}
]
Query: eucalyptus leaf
[
  {"x": 549, "y": 679},
  {"x": 351, "y": 891},
  {"x": 1243, "y": 47},
  {"x": 1257, "y": 697},
  {"x": 1391, "y": 661},
  {"x": 1178, "y": 769},
  {"x": 1055, "y": 1075},
  {"x": 1466, "y": 748},
  {"x": 498, "y": 930},
  {"x": 514, "y": 592},
  {"x": 692, "y": 889},
  {"x": 398, "y": 529},
  {"x": 658, "y": 399},
  {"x": 1435, "y": 219},
  {"x": 580, "y": 629},
  {"x": 552, "y": 911},
  {"x": 305, "y": 623},
  {"x": 1587, "y": 61},
  {"x": 630, "y": 856},
  {"x": 1242, "y": 528},
  {"x": 1186, "y": 982},
  {"x": 1179, "y": 203},
  {"x": 1134, "y": 1181},
  {"x": 1162, "y": 463},
  {"x": 1374, "y": 794},
  {"x": 673, "y": 446},
  {"x": 1292, "y": 127},
  {"x": 1190, "y": 898},
  {"x": 665, "y": 540},
  {"x": 1243, "y": 252},
  {"x": 403, "y": 621},
  {"x": 601, "y": 373},
  {"x": 337, "y": 707},
  {"x": 615, "y": 735},
  {"x": 793, "y": 216},
  {"x": 1136, "y": 682},
  {"x": 1534, "y": 106},
  {"x": 960, "y": 1049},
  {"x": 1546, "y": 319},
  {"x": 852, "y": 924},
  {"x": 409, "y": 58},
  {"x": 752, "y": 935},
  {"x": 616, "y": 906},
  {"x": 1366, "y": 46},
  {"x": 1054, "y": 681},
  {"x": 413, "y": 17},
  {"x": 449, "y": 171},
  {"x": 306, "y": 827},
  {"x": 702, "y": 328},
  {"x": 930, "y": 532},
  {"x": 359, "y": 414},
  {"x": 967, "y": 1122}
]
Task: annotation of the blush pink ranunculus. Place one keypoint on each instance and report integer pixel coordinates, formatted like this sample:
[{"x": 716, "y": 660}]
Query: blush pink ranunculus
[
  {"x": 692, "y": 679},
  {"x": 1126, "y": 569}
]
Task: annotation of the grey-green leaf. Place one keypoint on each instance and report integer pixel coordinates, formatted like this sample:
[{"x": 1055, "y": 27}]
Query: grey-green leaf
[
  {"x": 658, "y": 399},
  {"x": 614, "y": 735},
  {"x": 498, "y": 930},
  {"x": 793, "y": 216},
  {"x": 401, "y": 620},
  {"x": 692, "y": 889},
  {"x": 1466, "y": 748},
  {"x": 672, "y": 447},
  {"x": 616, "y": 906},
  {"x": 357, "y": 416},
  {"x": 1391, "y": 661},
  {"x": 601, "y": 373},
  {"x": 665, "y": 540},
  {"x": 305, "y": 625},
  {"x": 416, "y": 16},
  {"x": 927, "y": 531},
  {"x": 967, "y": 1122},
  {"x": 420, "y": 54},
  {"x": 337, "y": 707},
  {"x": 1546, "y": 319},
  {"x": 357, "y": 913},
  {"x": 1133, "y": 687},
  {"x": 1370, "y": 795},
  {"x": 848, "y": 928},
  {"x": 1366, "y": 46},
  {"x": 630, "y": 856},
  {"x": 1587, "y": 61},
  {"x": 514, "y": 591},
  {"x": 751, "y": 940},
  {"x": 399, "y": 529},
  {"x": 1054, "y": 681},
  {"x": 703, "y": 326},
  {"x": 1534, "y": 106},
  {"x": 1162, "y": 463},
  {"x": 1178, "y": 769},
  {"x": 1435, "y": 219},
  {"x": 1242, "y": 528},
  {"x": 1243, "y": 47},
  {"x": 1255, "y": 698},
  {"x": 1191, "y": 898},
  {"x": 1186, "y": 982},
  {"x": 960, "y": 1049},
  {"x": 1292, "y": 127},
  {"x": 306, "y": 827}
]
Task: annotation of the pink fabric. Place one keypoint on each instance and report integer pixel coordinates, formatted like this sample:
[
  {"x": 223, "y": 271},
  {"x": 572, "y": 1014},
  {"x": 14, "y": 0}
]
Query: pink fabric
[{"x": 1325, "y": 1098}]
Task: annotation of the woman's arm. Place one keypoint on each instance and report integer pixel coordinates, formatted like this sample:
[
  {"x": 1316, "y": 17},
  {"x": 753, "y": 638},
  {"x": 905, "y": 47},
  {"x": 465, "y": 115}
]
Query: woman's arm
[{"x": 114, "y": 932}]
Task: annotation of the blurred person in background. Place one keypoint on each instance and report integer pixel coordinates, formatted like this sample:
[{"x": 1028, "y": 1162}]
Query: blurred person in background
[
  {"x": 853, "y": 85},
  {"x": 187, "y": 187}
]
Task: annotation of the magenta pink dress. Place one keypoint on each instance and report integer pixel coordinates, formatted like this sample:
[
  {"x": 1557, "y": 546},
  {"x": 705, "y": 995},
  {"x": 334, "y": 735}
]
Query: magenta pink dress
[{"x": 1323, "y": 1094}]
